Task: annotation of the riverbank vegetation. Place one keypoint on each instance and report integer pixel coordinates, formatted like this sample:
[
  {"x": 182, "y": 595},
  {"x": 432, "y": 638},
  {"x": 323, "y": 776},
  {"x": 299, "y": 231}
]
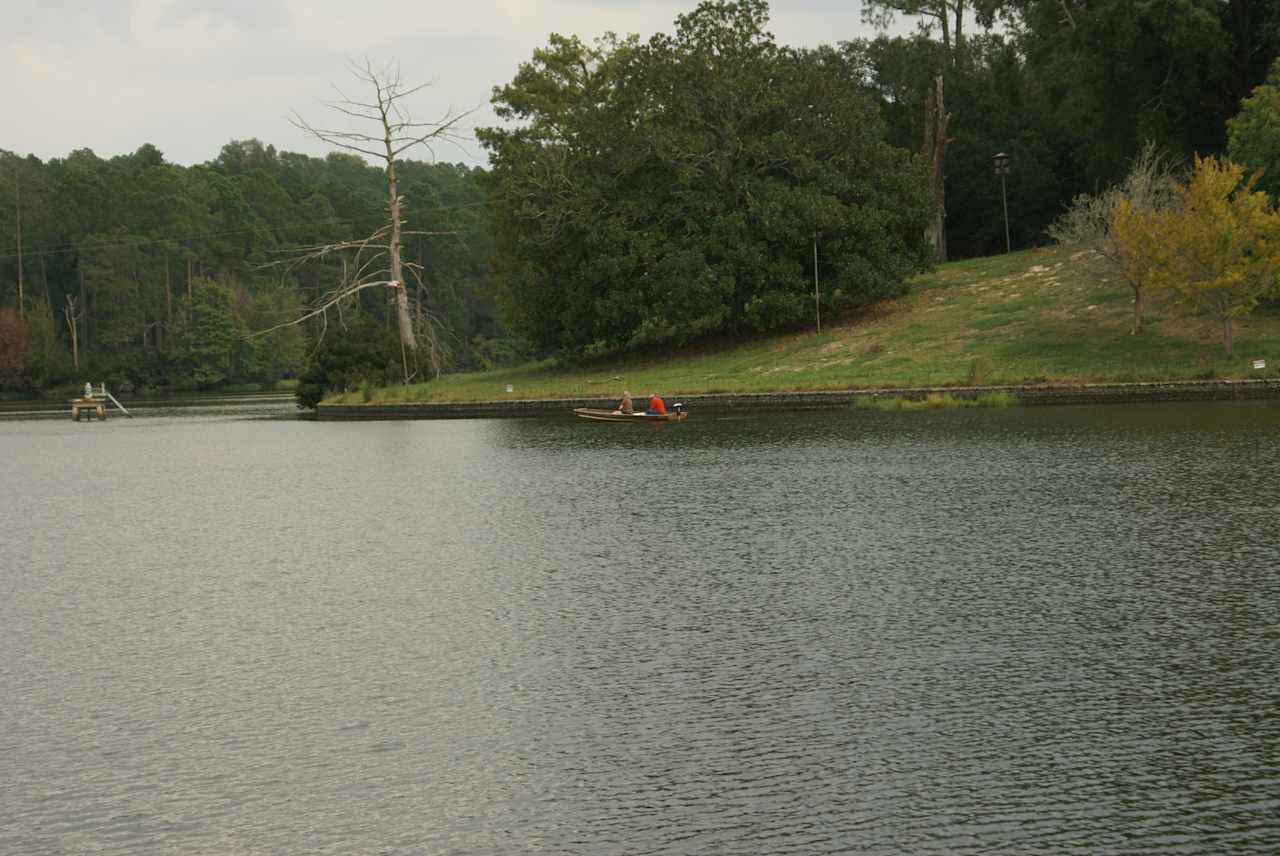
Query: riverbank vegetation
[
  {"x": 142, "y": 273},
  {"x": 1036, "y": 316},
  {"x": 937, "y": 401},
  {"x": 669, "y": 212}
]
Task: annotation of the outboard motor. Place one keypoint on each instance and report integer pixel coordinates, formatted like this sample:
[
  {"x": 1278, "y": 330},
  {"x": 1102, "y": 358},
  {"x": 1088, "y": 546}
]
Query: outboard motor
[{"x": 677, "y": 407}]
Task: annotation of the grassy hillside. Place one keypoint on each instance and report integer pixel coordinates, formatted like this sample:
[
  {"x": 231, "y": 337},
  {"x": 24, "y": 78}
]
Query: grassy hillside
[{"x": 1030, "y": 317}]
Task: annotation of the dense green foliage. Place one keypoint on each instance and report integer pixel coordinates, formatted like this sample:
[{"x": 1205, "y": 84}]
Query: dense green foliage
[
  {"x": 671, "y": 189},
  {"x": 1072, "y": 90},
  {"x": 1215, "y": 251},
  {"x": 165, "y": 270},
  {"x": 640, "y": 191},
  {"x": 1119, "y": 72},
  {"x": 13, "y": 347},
  {"x": 361, "y": 354},
  {"x": 1254, "y": 134}
]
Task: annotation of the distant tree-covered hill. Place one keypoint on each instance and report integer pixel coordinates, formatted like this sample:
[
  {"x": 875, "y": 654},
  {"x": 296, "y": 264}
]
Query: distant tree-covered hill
[{"x": 146, "y": 273}]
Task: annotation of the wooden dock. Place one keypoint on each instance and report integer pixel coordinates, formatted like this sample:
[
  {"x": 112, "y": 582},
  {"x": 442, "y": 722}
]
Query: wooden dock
[
  {"x": 91, "y": 408},
  {"x": 93, "y": 405}
]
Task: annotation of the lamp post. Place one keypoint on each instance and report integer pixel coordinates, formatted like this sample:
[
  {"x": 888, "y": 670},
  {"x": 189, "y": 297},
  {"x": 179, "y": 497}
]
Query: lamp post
[{"x": 1002, "y": 169}]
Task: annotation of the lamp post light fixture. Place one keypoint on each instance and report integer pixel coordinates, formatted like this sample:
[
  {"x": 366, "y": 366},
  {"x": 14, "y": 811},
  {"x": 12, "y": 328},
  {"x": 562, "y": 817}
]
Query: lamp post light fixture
[{"x": 1002, "y": 169}]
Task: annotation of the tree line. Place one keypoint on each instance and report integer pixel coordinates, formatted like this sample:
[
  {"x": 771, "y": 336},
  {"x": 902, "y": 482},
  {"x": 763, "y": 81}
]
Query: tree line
[
  {"x": 1072, "y": 90},
  {"x": 144, "y": 273},
  {"x": 714, "y": 182},
  {"x": 703, "y": 182}
]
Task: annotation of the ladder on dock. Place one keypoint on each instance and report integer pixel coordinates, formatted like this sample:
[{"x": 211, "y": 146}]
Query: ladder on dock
[{"x": 94, "y": 404}]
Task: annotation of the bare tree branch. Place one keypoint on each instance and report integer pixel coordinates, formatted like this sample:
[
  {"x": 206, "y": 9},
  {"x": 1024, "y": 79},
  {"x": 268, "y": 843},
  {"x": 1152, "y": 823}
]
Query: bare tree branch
[{"x": 344, "y": 294}]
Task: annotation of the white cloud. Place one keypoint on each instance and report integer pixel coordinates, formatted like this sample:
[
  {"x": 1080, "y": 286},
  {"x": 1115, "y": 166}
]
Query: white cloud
[{"x": 190, "y": 75}]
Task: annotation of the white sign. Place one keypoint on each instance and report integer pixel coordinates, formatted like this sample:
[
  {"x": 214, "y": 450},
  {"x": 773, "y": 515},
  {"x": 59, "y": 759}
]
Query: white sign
[
  {"x": 1259, "y": 364},
  {"x": 510, "y": 388}
]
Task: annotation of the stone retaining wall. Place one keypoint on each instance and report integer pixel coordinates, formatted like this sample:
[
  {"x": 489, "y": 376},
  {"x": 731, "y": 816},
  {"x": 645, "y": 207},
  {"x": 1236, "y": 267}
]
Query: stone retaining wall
[{"x": 1090, "y": 393}]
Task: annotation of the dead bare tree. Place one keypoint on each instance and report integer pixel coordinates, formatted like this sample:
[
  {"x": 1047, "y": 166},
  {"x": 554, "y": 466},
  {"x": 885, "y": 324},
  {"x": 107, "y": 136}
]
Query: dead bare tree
[
  {"x": 880, "y": 14},
  {"x": 367, "y": 267},
  {"x": 17, "y": 189},
  {"x": 934, "y": 140},
  {"x": 934, "y": 151},
  {"x": 379, "y": 259},
  {"x": 73, "y": 316}
]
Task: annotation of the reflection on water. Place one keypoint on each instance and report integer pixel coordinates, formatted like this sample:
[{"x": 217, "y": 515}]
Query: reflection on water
[{"x": 1035, "y": 630}]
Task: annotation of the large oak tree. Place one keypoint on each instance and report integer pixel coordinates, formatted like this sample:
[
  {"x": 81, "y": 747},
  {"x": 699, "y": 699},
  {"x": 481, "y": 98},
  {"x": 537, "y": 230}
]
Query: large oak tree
[{"x": 664, "y": 190}]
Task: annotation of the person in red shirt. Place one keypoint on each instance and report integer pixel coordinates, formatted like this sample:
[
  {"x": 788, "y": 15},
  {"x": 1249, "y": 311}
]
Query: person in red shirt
[{"x": 656, "y": 406}]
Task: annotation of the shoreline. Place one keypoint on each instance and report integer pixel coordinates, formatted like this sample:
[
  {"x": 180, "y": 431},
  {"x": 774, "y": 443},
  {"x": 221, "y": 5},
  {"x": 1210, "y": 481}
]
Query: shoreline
[{"x": 1027, "y": 394}]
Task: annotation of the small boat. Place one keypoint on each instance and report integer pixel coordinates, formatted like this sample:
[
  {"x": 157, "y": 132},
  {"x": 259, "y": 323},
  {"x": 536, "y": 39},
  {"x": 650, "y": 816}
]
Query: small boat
[{"x": 674, "y": 415}]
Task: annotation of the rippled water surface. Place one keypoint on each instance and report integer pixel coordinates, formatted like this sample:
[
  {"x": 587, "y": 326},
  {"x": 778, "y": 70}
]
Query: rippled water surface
[{"x": 1018, "y": 631}]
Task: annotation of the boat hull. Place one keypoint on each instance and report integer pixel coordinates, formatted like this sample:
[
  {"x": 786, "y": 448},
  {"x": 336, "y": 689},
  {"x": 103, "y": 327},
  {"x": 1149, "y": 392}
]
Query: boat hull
[{"x": 610, "y": 416}]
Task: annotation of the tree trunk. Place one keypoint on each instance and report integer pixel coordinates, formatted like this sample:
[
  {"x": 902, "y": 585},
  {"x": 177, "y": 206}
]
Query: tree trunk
[
  {"x": 1137, "y": 310},
  {"x": 44, "y": 277},
  {"x": 398, "y": 134},
  {"x": 1067, "y": 17},
  {"x": 168, "y": 299},
  {"x": 21, "y": 298},
  {"x": 1227, "y": 339},
  {"x": 417, "y": 305},
  {"x": 934, "y": 149},
  {"x": 407, "y": 339},
  {"x": 84, "y": 307},
  {"x": 70, "y": 313}
]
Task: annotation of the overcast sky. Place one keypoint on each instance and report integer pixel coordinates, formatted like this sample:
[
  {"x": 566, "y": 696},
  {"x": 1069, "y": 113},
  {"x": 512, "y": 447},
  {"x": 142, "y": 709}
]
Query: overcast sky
[{"x": 189, "y": 75}]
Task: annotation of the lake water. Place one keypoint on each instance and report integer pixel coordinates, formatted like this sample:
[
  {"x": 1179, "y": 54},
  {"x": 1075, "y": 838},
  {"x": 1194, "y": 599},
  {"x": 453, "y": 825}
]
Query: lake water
[
  {"x": 240, "y": 405},
  {"x": 1049, "y": 630}
]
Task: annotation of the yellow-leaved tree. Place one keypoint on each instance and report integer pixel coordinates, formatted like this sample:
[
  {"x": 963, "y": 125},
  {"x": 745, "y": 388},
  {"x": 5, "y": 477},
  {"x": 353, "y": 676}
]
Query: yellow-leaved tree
[
  {"x": 1091, "y": 219},
  {"x": 1216, "y": 251},
  {"x": 1135, "y": 247}
]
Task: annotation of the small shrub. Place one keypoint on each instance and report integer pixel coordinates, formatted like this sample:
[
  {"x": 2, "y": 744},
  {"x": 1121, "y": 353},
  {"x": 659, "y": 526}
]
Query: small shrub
[
  {"x": 363, "y": 353},
  {"x": 490, "y": 353},
  {"x": 998, "y": 399},
  {"x": 937, "y": 401}
]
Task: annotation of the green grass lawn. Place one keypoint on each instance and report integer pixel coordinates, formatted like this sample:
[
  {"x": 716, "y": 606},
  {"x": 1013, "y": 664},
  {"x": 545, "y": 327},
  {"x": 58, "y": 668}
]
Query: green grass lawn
[{"x": 1037, "y": 316}]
